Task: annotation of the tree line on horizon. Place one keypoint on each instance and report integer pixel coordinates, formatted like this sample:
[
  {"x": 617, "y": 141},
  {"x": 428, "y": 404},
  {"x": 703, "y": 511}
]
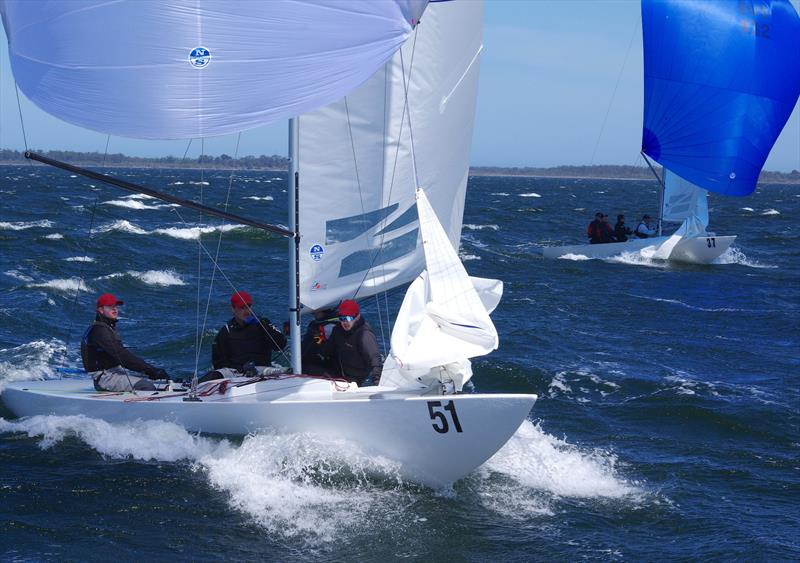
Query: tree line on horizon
[{"x": 277, "y": 162}]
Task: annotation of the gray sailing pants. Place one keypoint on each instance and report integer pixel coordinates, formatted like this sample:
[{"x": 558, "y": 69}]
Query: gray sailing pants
[{"x": 117, "y": 379}]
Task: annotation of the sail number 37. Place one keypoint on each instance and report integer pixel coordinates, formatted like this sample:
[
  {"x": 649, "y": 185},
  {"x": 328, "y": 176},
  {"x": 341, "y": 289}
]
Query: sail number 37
[{"x": 438, "y": 414}]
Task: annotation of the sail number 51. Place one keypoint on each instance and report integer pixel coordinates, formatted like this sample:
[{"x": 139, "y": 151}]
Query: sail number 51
[{"x": 438, "y": 414}]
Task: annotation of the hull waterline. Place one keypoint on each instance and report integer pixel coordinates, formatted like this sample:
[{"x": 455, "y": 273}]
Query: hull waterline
[{"x": 695, "y": 250}]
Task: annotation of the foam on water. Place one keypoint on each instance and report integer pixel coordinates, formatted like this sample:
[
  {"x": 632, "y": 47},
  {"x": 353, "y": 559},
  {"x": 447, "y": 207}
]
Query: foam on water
[
  {"x": 771, "y": 212},
  {"x": 292, "y": 485},
  {"x": 17, "y": 275},
  {"x": 467, "y": 257},
  {"x": 69, "y": 285},
  {"x": 182, "y": 233},
  {"x": 575, "y": 257},
  {"x": 688, "y": 306},
  {"x": 748, "y": 209},
  {"x": 501, "y": 194},
  {"x": 29, "y": 361},
  {"x": 150, "y": 277},
  {"x": 22, "y": 225},
  {"x": 481, "y": 227},
  {"x": 54, "y": 236},
  {"x": 538, "y": 461},
  {"x": 256, "y": 198},
  {"x": 637, "y": 258},
  {"x": 131, "y": 204},
  {"x": 79, "y": 259},
  {"x": 531, "y": 194},
  {"x": 735, "y": 256}
]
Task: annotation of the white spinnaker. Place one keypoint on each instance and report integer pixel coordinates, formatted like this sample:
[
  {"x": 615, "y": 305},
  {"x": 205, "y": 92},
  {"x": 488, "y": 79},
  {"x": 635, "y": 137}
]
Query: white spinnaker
[
  {"x": 683, "y": 200},
  {"x": 170, "y": 69},
  {"x": 443, "y": 320},
  {"x": 358, "y": 218}
]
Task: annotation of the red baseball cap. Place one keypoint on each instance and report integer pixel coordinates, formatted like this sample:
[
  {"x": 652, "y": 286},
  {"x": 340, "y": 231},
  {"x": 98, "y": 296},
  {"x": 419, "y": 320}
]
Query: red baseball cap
[
  {"x": 108, "y": 300},
  {"x": 241, "y": 299},
  {"x": 349, "y": 308}
]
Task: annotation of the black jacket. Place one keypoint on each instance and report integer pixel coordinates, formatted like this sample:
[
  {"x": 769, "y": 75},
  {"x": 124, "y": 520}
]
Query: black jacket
[
  {"x": 102, "y": 348},
  {"x": 621, "y": 232},
  {"x": 313, "y": 346},
  {"x": 237, "y": 344},
  {"x": 354, "y": 352}
]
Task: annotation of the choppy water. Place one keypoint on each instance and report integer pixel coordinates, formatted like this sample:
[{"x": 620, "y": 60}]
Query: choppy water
[{"x": 667, "y": 426}]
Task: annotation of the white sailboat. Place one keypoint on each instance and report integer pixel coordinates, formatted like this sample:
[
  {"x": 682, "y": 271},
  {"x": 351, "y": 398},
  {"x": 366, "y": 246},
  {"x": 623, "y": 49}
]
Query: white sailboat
[
  {"x": 711, "y": 112},
  {"x": 370, "y": 152}
]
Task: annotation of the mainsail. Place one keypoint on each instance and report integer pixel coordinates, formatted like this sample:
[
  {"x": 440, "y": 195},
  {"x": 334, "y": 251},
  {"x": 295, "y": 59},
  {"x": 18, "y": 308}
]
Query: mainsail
[
  {"x": 720, "y": 81},
  {"x": 362, "y": 158},
  {"x": 171, "y": 69}
]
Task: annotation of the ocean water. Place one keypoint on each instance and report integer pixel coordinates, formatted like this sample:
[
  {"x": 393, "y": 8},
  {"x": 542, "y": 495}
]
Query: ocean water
[{"x": 668, "y": 423}]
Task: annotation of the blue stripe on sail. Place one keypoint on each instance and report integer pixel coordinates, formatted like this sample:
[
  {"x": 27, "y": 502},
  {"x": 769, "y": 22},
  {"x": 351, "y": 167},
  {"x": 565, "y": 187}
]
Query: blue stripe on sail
[
  {"x": 408, "y": 217},
  {"x": 363, "y": 260},
  {"x": 720, "y": 81},
  {"x": 348, "y": 228}
]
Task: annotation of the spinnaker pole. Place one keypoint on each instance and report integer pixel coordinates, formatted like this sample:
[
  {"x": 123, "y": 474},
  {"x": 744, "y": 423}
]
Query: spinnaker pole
[{"x": 293, "y": 192}]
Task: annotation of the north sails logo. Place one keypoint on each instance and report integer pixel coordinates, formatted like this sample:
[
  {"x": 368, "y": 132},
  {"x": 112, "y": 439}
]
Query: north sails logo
[
  {"x": 316, "y": 252},
  {"x": 199, "y": 57}
]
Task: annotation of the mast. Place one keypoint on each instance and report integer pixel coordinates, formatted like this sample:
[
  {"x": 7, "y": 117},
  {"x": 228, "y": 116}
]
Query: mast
[{"x": 293, "y": 193}]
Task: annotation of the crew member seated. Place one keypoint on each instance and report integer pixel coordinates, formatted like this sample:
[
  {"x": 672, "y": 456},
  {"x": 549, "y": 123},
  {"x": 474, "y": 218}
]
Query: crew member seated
[
  {"x": 645, "y": 229},
  {"x": 246, "y": 339},
  {"x": 599, "y": 231},
  {"x": 621, "y": 232}
]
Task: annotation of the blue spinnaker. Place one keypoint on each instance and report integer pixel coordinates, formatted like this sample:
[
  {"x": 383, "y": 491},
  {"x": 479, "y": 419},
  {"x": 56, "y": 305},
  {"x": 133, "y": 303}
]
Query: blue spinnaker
[{"x": 721, "y": 78}]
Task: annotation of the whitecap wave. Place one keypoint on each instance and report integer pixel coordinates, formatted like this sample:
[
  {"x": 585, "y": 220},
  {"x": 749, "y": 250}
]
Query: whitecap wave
[
  {"x": 79, "y": 259},
  {"x": 481, "y": 227},
  {"x": 193, "y": 233},
  {"x": 132, "y": 204},
  {"x": 29, "y": 361},
  {"x": 69, "y": 285},
  {"x": 17, "y": 275},
  {"x": 530, "y": 194},
  {"x": 771, "y": 212},
  {"x": 256, "y": 198},
  {"x": 467, "y": 257},
  {"x": 162, "y": 278},
  {"x": 54, "y": 236},
  {"x": 22, "y": 225},
  {"x": 501, "y": 194},
  {"x": 750, "y": 209},
  {"x": 121, "y": 226}
]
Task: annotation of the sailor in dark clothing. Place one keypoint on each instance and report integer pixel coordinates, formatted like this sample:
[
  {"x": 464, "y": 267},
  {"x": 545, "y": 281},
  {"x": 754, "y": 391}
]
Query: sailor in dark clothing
[
  {"x": 317, "y": 334},
  {"x": 245, "y": 339},
  {"x": 353, "y": 348},
  {"x": 599, "y": 231},
  {"x": 621, "y": 232},
  {"x": 106, "y": 359}
]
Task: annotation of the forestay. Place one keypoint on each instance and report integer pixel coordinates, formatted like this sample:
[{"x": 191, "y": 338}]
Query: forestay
[
  {"x": 362, "y": 158},
  {"x": 173, "y": 69},
  {"x": 721, "y": 79},
  {"x": 444, "y": 318}
]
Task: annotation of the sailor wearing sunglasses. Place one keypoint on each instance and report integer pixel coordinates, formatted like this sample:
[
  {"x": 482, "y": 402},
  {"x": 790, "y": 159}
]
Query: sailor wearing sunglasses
[{"x": 353, "y": 348}]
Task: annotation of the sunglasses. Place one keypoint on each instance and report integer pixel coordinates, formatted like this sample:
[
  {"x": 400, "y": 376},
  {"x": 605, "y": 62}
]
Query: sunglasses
[{"x": 346, "y": 319}]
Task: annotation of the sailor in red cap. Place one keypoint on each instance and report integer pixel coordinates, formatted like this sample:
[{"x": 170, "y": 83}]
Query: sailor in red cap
[
  {"x": 107, "y": 360},
  {"x": 245, "y": 340},
  {"x": 353, "y": 348}
]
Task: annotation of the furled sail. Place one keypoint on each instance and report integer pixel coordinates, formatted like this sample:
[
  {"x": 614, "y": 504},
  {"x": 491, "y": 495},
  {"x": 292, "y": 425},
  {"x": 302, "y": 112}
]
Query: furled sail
[
  {"x": 683, "y": 200},
  {"x": 444, "y": 318},
  {"x": 170, "y": 69},
  {"x": 720, "y": 81},
  {"x": 362, "y": 157}
]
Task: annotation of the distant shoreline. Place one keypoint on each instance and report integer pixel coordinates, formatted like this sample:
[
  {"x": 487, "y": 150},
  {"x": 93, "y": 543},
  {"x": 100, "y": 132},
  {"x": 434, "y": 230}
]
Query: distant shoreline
[{"x": 276, "y": 163}]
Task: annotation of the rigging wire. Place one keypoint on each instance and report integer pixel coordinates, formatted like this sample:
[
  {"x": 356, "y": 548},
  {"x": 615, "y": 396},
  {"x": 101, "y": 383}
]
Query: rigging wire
[
  {"x": 199, "y": 260},
  {"x": 614, "y": 93}
]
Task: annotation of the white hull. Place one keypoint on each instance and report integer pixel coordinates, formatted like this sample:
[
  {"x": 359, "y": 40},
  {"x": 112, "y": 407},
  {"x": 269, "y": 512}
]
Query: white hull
[
  {"x": 420, "y": 432},
  {"x": 695, "y": 250}
]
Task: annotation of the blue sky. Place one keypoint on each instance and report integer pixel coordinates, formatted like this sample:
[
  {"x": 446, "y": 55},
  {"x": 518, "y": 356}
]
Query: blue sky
[{"x": 560, "y": 84}]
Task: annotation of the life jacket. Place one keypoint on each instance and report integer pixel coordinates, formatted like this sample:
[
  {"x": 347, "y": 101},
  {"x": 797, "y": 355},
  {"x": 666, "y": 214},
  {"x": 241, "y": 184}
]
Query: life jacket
[
  {"x": 90, "y": 355},
  {"x": 637, "y": 233},
  {"x": 593, "y": 231}
]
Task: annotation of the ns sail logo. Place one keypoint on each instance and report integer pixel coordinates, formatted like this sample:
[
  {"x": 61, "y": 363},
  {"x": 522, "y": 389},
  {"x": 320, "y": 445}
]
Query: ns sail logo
[{"x": 199, "y": 57}]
